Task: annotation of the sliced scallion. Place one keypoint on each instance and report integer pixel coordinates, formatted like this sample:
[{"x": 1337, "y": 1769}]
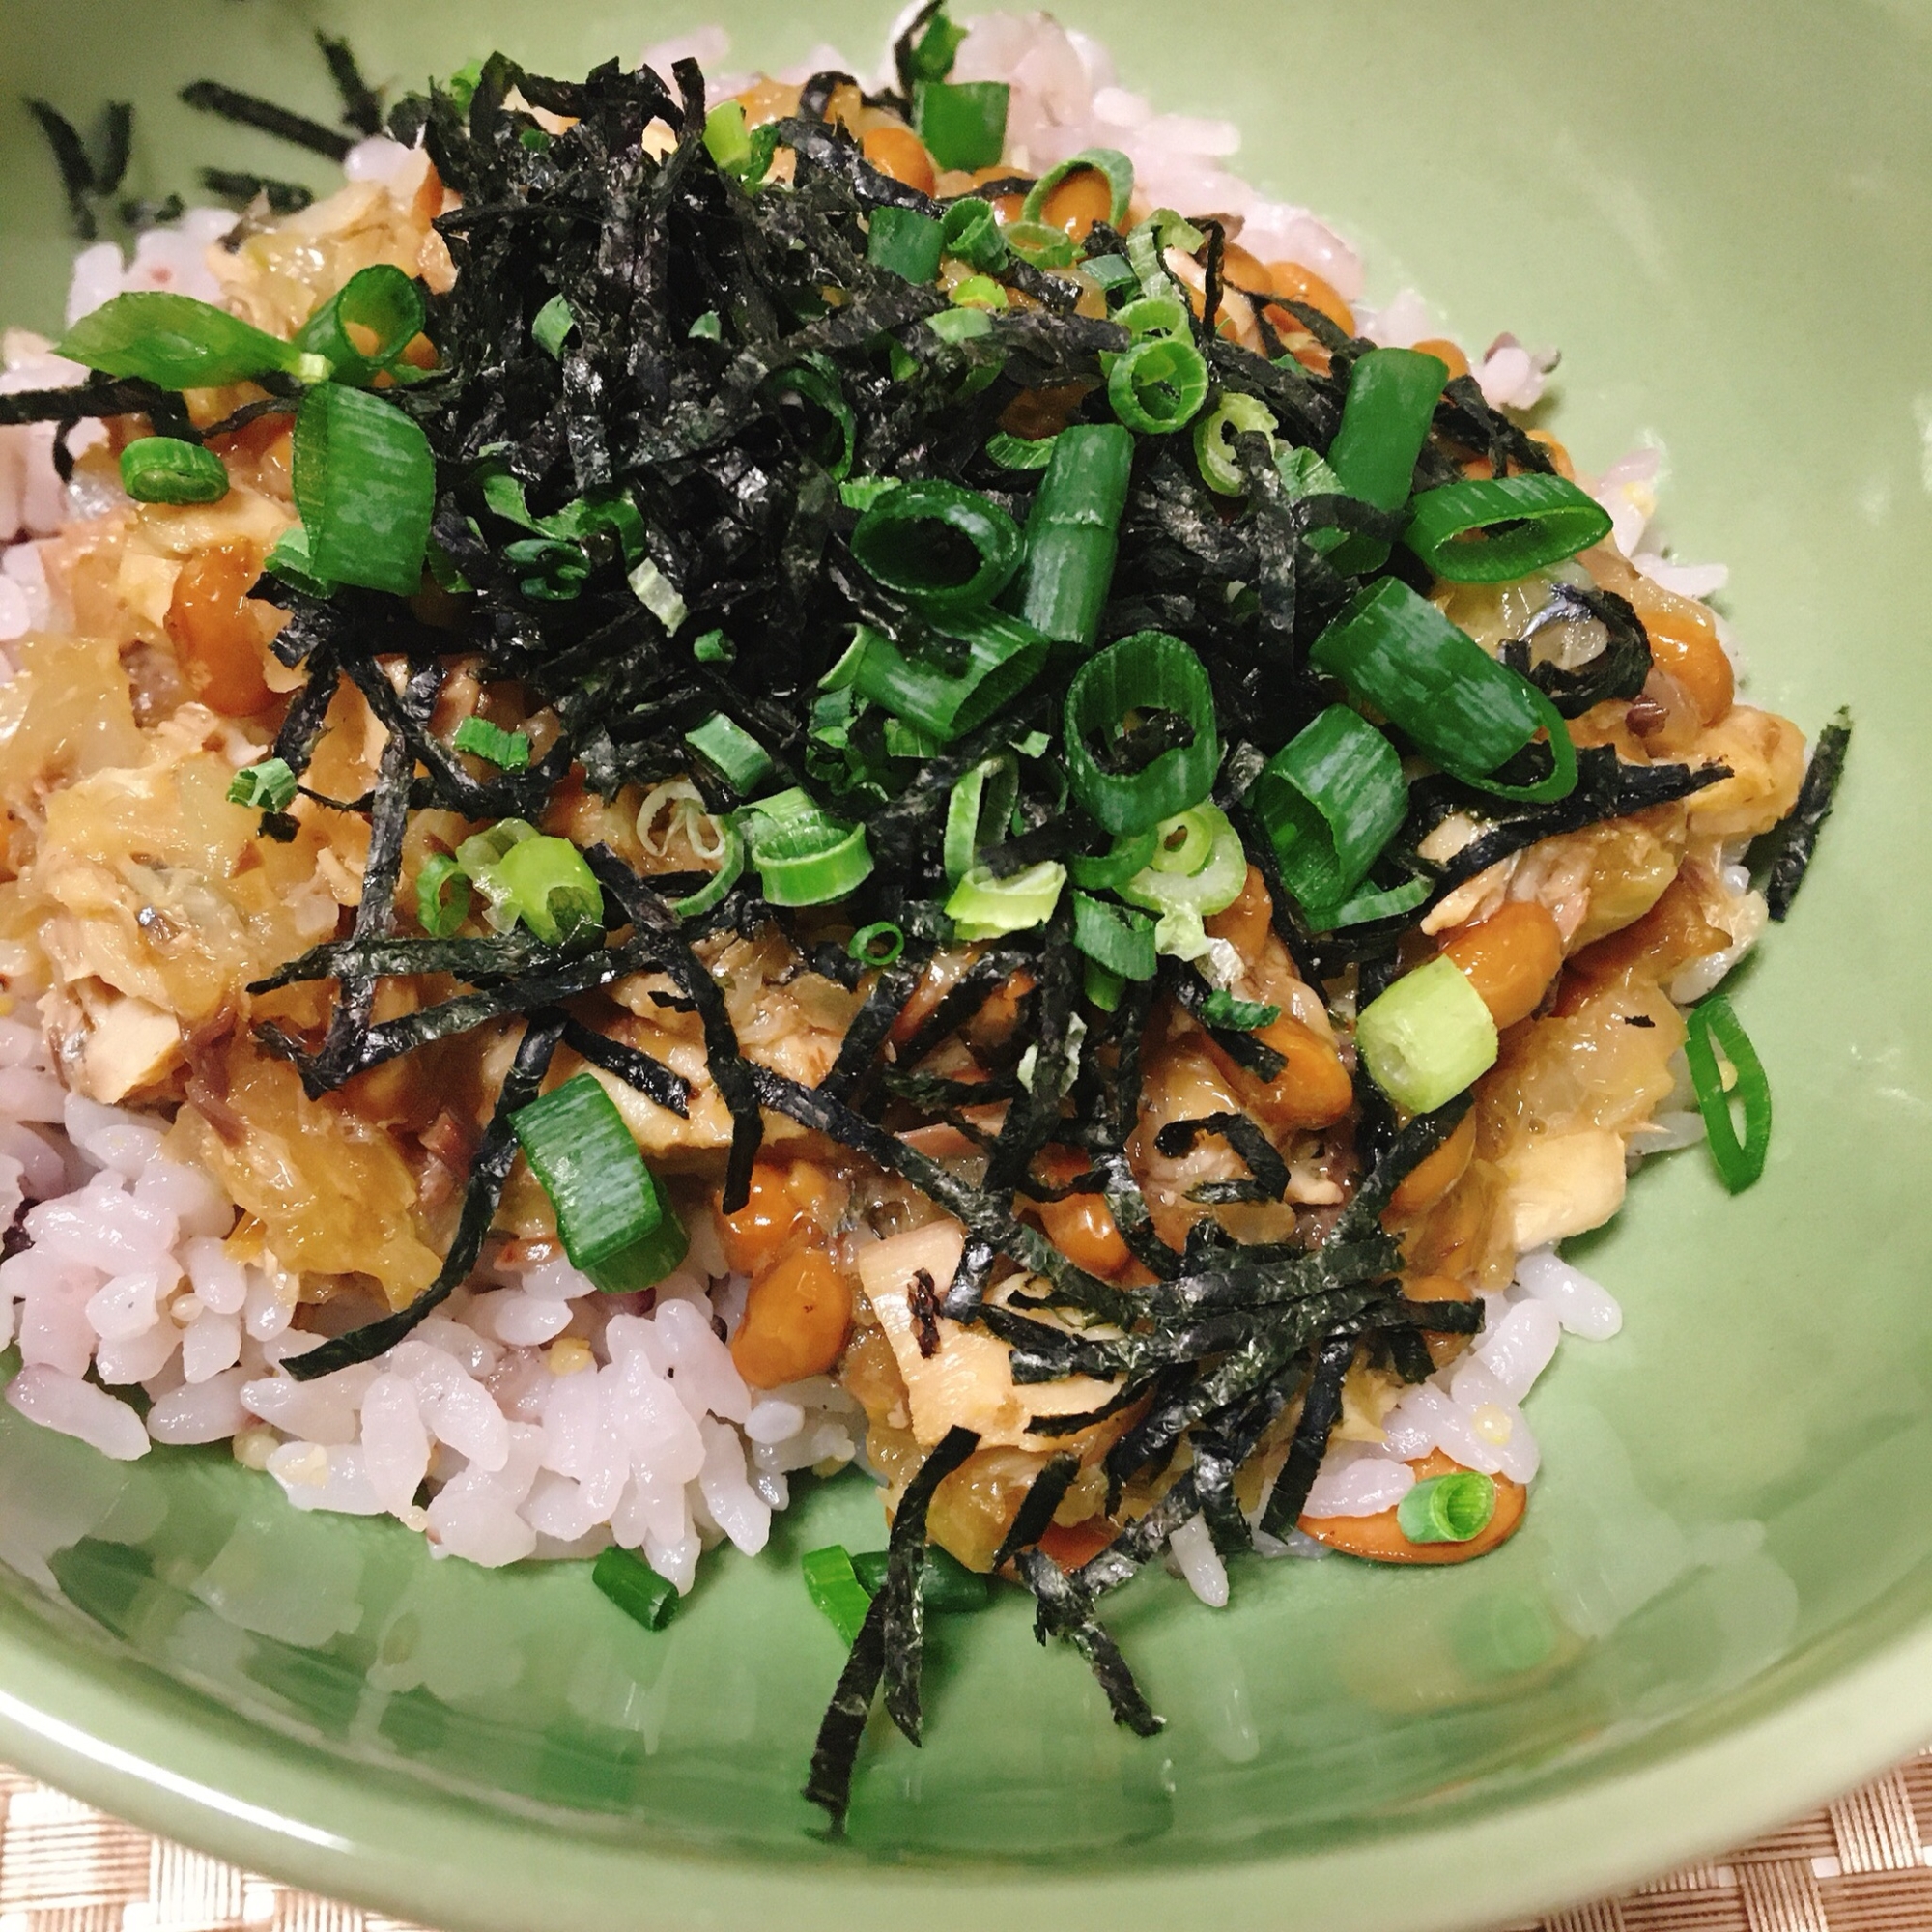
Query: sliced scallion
[
  {"x": 878, "y": 944},
  {"x": 1108, "y": 163},
  {"x": 731, "y": 869},
  {"x": 165, "y": 469},
  {"x": 509, "y": 750},
  {"x": 905, "y": 242},
  {"x": 1329, "y": 800},
  {"x": 633, "y": 1586},
  {"x": 553, "y": 890},
  {"x": 1536, "y": 520},
  {"x": 1427, "y": 1038},
  {"x": 978, "y": 292},
  {"x": 1004, "y": 655},
  {"x": 949, "y": 550},
  {"x": 1361, "y": 907},
  {"x": 970, "y": 230},
  {"x": 615, "y": 1221},
  {"x": 1455, "y": 1508},
  {"x": 979, "y": 807},
  {"x": 1235, "y": 414},
  {"x": 270, "y": 785},
  {"x": 945, "y": 1583},
  {"x": 963, "y": 124},
  {"x": 378, "y": 302},
  {"x": 1130, "y": 853},
  {"x": 1385, "y": 419},
  {"x": 1713, "y": 1028},
  {"x": 1157, "y": 386},
  {"x": 1114, "y": 937},
  {"x": 804, "y": 856},
  {"x": 365, "y": 489},
  {"x": 178, "y": 343},
  {"x": 740, "y": 759},
  {"x": 1221, "y": 1008},
  {"x": 442, "y": 895},
  {"x": 831, "y": 1584},
  {"x": 983, "y": 907},
  {"x": 1072, "y": 532},
  {"x": 1397, "y": 653},
  {"x": 728, "y": 139},
  {"x": 1146, "y": 672},
  {"x": 1215, "y": 879},
  {"x": 1041, "y": 244}
]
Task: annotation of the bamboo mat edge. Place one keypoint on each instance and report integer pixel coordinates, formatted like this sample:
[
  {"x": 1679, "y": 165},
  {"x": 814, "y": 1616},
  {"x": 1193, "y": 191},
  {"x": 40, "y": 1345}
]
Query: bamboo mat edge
[{"x": 1857, "y": 1865}]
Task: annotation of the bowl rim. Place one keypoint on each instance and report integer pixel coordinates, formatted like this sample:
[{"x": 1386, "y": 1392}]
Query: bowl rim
[{"x": 245, "y": 1793}]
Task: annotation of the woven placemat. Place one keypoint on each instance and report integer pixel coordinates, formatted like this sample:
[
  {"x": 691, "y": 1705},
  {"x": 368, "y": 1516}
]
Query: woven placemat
[{"x": 1857, "y": 1865}]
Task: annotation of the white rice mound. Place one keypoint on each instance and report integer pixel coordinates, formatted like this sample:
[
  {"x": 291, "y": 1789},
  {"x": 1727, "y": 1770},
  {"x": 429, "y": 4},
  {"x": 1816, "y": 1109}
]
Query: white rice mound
[{"x": 532, "y": 1416}]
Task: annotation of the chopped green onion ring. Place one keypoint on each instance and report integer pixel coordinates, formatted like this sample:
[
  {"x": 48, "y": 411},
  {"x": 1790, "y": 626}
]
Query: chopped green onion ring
[
  {"x": 739, "y": 758},
  {"x": 381, "y": 299},
  {"x": 1130, "y": 853},
  {"x": 633, "y": 1586},
  {"x": 731, "y": 869},
  {"x": 615, "y": 1221},
  {"x": 509, "y": 750},
  {"x": 1109, "y": 162},
  {"x": 1146, "y": 672},
  {"x": 980, "y": 805},
  {"x": 905, "y": 242},
  {"x": 270, "y": 785},
  {"x": 554, "y": 890},
  {"x": 970, "y": 230},
  {"x": 1216, "y": 883},
  {"x": 1427, "y": 1038},
  {"x": 1712, "y": 1027},
  {"x": 365, "y": 489},
  {"x": 831, "y": 1584},
  {"x": 1456, "y": 1508},
  {"x": 1114, "y": 937},
  {"x": 879, "y": 944},
  {"x": 442, "y": 895},
  {"x": 1214, "y": 439},
  {"x": 1543, "y": 519},
  {"x": 1004, "y": 655},
  {"x": 1399, "y": 654},
  {"x": 165, "y": 469},
  {"x": 803, "y": 854},
  {"x": 983, "y": 907},
  {"x": 1157, "y": 386},
  {"x": 949, "y": 550},
  {"x": 1329, "y": 801},
  {"x": 1019, "y": 452}
]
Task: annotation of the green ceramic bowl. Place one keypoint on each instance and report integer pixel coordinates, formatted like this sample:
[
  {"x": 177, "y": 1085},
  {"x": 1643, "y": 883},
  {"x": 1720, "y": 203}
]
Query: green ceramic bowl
[{"x": 1721, "y": 1607}]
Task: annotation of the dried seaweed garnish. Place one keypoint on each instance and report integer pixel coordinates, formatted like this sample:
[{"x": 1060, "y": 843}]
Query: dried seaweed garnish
[
  {"x": 83, "y": 177},
  {"x": 652, "y": 1078},
  {"x": 284, "y": 197},
  {"x": 1792, "y": 841},
  {"x": 126, "y": 398},
  {"x": 891, "y": 1642},
  {"x": 361, "y": 104},
  {"x": 730, "y": 1073},
  {"x": 1320, "y": 1411},
  {"x": 1264, "y": 1163},
  {"x": 250, "y": 110},
  {"x": 482, "y": 1191},
  {"x": 1617, "y": 671},
  {"x": 1607, "y": 787},
  {"x": 1065, "y": 1610},
  {"x": 1035, "y": 1515}
]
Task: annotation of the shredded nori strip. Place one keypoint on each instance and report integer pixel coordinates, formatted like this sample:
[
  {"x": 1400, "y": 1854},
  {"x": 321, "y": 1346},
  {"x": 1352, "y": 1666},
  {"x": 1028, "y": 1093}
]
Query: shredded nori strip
[
  {"x": 250, "y": 110},
  {"x": 488, "y": 1172},
  {"x": 284, "y": 197},
  {"x": 1035, "y": 1515},
  {"x": 1617, "y": 671},
  {"x": 361, "y": 104},
  {"x": 652, "y": 1078},
  {"x": 1320, "y": 1411},
  {"x": 1264, "y": 1163},
  {"x": 891, "y": 1642},
  {"x": 1795, "y": 837},
  {"x": 1065, "y": 1610}
]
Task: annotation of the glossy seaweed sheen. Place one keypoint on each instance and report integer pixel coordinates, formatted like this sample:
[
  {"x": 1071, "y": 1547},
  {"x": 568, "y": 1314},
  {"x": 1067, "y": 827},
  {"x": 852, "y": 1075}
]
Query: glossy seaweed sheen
[{"x": 1722, "y": 1606}]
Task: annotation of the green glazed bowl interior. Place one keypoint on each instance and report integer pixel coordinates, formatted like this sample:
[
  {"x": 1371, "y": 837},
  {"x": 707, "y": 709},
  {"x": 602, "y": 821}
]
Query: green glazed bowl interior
[{"x": 1720, "y": 1607}]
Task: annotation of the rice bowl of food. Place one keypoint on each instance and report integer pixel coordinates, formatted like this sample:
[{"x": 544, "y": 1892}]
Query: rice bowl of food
[{"x": 755, "y": 787}]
